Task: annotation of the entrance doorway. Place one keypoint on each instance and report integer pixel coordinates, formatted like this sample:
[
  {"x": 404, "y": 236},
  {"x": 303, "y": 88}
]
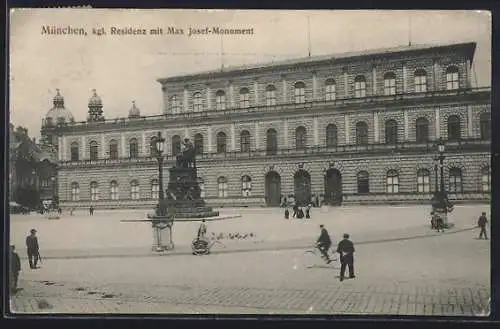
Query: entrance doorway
[
  {"x": 273, "y": 188},
  {"x": 333, "y": 187},
  {"x": 302, "y": 187}
]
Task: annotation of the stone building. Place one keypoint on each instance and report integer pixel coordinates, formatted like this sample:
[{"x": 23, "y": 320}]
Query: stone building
[
  {"x": 32, "y": 169},
  {"x": 349, "y": 128}
]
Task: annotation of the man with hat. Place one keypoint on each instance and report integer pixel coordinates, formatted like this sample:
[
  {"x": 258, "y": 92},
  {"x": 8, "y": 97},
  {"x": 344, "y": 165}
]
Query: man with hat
[
  {"x": 33, "y": 248},
  {"x": 346, "y": 250},
  {"x": 15, "y": 267}
]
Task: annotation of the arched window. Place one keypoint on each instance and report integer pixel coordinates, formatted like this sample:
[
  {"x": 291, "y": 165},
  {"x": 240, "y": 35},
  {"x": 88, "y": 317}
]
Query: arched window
[
  {"x": 94, "y": 150},
  {"x": 74, "y": 151},
  {"x": 75, "y": 191},
  {"x": 246, "y": 186},
  {"x": 271, "y": 142},
  {"x": 363, "y": 182},
  {"x": 155, "y": 189},
  {"x": 221, "y": 142},
  {"x": 391, "y": 132},
  {"x": 152, "y": 146},
  {"x": 220, "y": 100},
  {"x": 420, "y": 81},
  {"x": 201, "y": 184},
  {"x": 486, "y": 179},
  {"x": 175, "y": 105},
  {"x": 330, "y": 90},
  {"x": 94, "y": 191},
  {"x": 198, "y": 143},
  {"x": 485, "y": 126},
  {"x": 392, "y": 181},
  {"x": 197, "y": 102},
  {"x": 359, "y": 86},
  {"x": 113, "y": 149},
  {"x": 270, "y": 95},
  {"x": 133, "y": 148},
  {"x": 134, "y": 190},
  {"x": 361, "y": 133},
  {"x": 454, "y": 128},
  {"x": 389, "y": 84},
  {"x": 176, "y": 145},
  {"x": 422, "y": 130},
  {"x": 300, "y": 138},
  {"x": 423, "y": 181},
  {"x": 113, "y": 190},
  {"x": 300, "y": 93},
  {"x": 331, "y": 135},
  {"x": 455, "y": 184},
  {"x": 222, "y": 186},
  {"x": 452, "y": 78},
  {"x": 245, "y": 141},
  {"x": 244, "y": 98}
]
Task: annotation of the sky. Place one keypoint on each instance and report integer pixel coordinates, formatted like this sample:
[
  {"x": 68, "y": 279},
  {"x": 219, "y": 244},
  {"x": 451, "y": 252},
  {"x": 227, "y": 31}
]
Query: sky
[{"x": 124, "y": 68}]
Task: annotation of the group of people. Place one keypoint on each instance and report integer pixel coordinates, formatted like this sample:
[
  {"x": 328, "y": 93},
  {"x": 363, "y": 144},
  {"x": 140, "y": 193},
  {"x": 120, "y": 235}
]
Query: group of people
[
  {"x": 345, "y": 249},
  {"x": 33, "y": 250},
  {"x": 299, "y": 212}
]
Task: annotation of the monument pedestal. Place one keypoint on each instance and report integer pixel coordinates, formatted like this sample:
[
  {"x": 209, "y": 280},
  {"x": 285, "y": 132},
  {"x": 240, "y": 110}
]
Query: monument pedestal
[{"x": 447, "y": 221}]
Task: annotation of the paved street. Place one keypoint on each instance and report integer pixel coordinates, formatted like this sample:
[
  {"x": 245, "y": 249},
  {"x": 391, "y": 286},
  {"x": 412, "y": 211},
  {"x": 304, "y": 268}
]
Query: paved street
[
  {"x": 429, "y": 275},
  {"x": 105, "y": 235}
]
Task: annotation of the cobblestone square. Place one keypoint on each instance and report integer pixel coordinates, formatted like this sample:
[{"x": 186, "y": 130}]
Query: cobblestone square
[{"x": 418, "y": 272}]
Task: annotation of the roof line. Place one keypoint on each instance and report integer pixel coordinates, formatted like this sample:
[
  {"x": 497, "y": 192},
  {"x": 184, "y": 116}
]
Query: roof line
[{"x": 471, "y": 46}]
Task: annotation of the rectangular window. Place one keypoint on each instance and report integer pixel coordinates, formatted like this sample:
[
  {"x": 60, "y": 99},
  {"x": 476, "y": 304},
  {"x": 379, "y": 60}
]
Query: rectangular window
[
  {"x": 420, "y": 84},
  {"x": 360, "y": 89},
  {"x": 423, "y": 184},
  {"x": 389, "y": 87},
  {"x": 222, "y": 190},
  {"x": 271, "y": 97}
]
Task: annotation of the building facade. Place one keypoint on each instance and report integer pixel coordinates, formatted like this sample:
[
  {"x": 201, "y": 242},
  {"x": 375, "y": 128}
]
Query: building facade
[
  {"x": 351, "y": 128},
  {"x": 32, "y": 169}
]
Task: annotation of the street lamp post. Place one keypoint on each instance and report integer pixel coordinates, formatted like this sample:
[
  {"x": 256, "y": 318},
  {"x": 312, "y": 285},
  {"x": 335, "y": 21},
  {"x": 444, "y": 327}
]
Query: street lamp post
[
  {"x": 162, "y": 225},
  {"x": 436, "y": 186},
  {"x": 441, "y": 202},
  {"x": 441, "y": 160},
  {"x": 53, "y": 179},
  {"x": 159, "y": 146}
]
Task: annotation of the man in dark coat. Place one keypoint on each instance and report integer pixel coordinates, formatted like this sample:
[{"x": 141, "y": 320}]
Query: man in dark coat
[
  {"x": 15, "y": 268},
  {"x": 33, "y": 249},
  {"x": 481, "y": 223},
  {"x": 324, "y": 243},
  {"x": 346, "y": 250}
]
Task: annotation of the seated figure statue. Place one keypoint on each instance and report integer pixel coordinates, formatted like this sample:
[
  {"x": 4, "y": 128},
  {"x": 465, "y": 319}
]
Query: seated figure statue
[{"x": 187, "y": 159}]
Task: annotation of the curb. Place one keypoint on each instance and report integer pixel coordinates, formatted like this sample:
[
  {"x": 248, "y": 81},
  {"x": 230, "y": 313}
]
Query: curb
[{"x": 254, "y": 249}]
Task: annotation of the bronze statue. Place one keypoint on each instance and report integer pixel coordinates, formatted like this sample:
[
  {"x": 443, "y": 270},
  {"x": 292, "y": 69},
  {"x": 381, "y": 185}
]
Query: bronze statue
[{"x": 187, "y": 158}]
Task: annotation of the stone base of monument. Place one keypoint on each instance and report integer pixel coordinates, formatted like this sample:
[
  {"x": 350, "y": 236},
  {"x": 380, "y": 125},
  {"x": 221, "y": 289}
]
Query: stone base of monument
[
  {"x": 53, "y": 215},
  {"x": 448, "y": 223}
]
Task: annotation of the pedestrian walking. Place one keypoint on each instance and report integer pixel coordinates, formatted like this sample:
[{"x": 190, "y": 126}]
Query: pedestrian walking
[
  {"x": 345, "y": 249},
  {"x": 15, "y": 268},
  {"x": 295, "y": 210},
  {"x": 91, "y": 211},
  {"x": 481, "y": 223},
  {"x": 287, "y": 213},
  {"x": 308, "y": 210},
  {"x": 32, "y": 248}
]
